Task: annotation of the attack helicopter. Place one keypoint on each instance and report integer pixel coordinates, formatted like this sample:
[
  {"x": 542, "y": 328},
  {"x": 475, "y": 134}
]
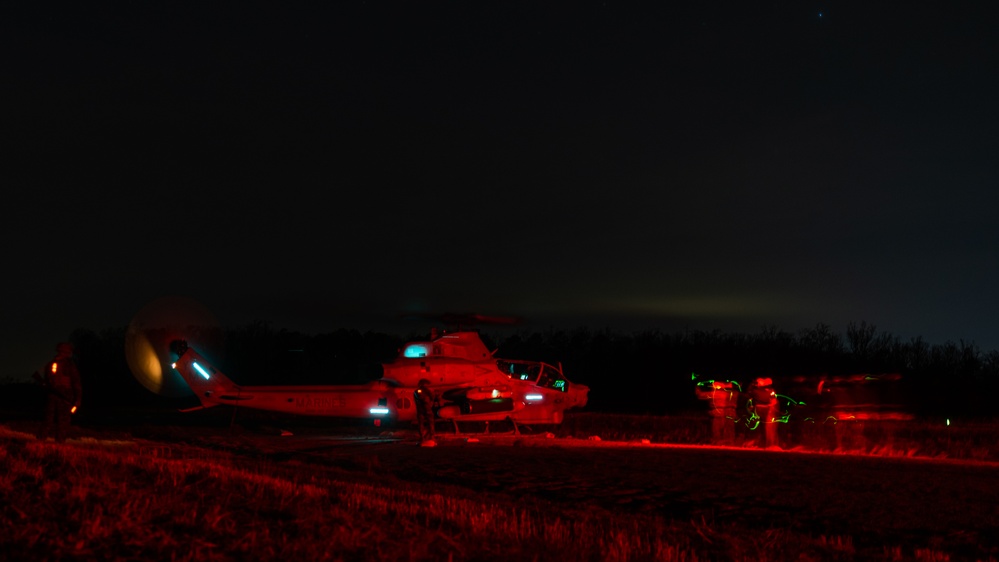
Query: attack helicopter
[{"x": 472, "y": 384}]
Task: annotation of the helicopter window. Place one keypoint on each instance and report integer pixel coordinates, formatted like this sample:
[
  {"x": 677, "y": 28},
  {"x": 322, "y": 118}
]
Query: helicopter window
[
  {"x": 552, "y": 378},
  {"x": 415, "y": 350},
  {"x": 520, "y": 371}
]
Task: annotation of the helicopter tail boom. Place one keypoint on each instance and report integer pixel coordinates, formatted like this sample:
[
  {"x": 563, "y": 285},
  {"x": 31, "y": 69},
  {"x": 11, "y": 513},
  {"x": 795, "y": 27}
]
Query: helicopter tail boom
[
  {"x": 377, "y": 400},
  {"x": 208, "y": 383}
]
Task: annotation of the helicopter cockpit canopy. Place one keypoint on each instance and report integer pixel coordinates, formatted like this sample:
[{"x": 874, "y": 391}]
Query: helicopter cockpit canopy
[
  {"x": 417, "y": 349},
  {"x": 542, "y": 374},
  {"x": 455, "y": 346}
]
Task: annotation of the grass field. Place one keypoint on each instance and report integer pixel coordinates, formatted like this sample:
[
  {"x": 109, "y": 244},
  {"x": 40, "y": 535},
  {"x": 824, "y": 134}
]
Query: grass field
[{"x": 189, "y": 493}]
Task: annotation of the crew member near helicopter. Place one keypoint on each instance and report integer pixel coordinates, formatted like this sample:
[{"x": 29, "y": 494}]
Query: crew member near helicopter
[
  {"x": 765, "y": 409},
  {"x": 425, "y": 400},
  {"x": 722, "y": 397},
  {"x": 61, "y": 380}
]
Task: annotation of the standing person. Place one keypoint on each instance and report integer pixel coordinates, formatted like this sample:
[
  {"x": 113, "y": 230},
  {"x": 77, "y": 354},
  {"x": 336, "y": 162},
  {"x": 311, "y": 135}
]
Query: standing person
[
  {"x": 766, "y": 409},
  {"x": 722, "y": 397},
  {"x": 425, "y": 400},
  {"x": 729, "y": 401},
  {"x": 62, "y": 381},
  {"x": 827, "y": 426}
]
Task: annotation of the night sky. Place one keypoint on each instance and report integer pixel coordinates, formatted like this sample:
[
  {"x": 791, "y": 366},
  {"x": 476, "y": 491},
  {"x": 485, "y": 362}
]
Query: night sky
[{"x": 703, "y": 165}]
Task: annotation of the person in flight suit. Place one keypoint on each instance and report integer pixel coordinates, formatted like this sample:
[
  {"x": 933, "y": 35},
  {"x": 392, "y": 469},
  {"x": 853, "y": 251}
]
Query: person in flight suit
[
  {"x": 766, "y": 409},
  {"x": 425, "y": 400},
  {"x": 62, "y": 381},
  {"x": 722, "y": 397}
]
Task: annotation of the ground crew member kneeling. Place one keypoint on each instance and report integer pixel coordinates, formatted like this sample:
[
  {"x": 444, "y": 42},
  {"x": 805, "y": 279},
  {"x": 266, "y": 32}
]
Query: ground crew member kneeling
[{"x": 61, "y": 380}]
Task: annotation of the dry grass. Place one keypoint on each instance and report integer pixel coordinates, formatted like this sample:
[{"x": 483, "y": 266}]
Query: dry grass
[
  {"x": 102, "y": 502},
  {"x": 94, "y": 499},
  {"x": 975, "y": 440}
]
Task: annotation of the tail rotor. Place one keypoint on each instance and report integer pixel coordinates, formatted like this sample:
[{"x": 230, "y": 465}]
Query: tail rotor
[{"x": 154, "y": 328}]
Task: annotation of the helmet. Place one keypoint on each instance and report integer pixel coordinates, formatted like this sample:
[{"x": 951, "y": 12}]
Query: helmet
[
  {"x": 64, "y": 348},
  {"x": 424, "y": 382}
]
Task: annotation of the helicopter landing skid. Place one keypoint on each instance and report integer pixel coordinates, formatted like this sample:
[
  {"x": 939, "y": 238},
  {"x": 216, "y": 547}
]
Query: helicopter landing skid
[{"x": 486, "y": 429}]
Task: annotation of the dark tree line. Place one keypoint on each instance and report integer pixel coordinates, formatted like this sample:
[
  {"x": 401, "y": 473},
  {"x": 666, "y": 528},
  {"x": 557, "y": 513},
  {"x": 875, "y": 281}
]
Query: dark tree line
[
  {"x": 650, "y": 372},
  {"x": 646, "y": 372}
]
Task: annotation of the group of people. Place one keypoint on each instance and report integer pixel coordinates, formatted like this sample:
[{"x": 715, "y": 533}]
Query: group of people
[
  {"x": 757, "y": 409},
  {"x": 829, "y": 417}
]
